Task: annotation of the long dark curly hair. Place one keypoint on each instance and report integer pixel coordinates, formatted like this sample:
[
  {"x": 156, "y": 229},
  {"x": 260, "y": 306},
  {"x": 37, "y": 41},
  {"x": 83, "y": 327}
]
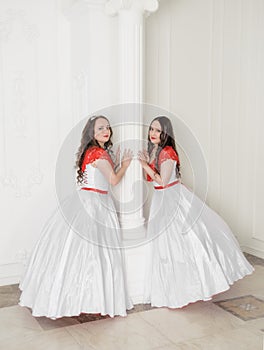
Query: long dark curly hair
[
  {"x": 166, "y": 139},
  {"x": 88, "y": 141}
]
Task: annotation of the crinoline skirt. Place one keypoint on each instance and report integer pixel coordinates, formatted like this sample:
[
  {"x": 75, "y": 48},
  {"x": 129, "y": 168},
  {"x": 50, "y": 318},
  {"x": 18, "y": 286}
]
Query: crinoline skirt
[
  {"x": 193, "y": 253},
  {"x": 77, "y": 264}
]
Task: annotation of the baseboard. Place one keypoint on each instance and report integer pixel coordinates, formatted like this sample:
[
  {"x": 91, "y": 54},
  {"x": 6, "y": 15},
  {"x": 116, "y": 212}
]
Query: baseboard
[
  {"x": 10, "y": 273},
  {"x": 253, "y": 251}
]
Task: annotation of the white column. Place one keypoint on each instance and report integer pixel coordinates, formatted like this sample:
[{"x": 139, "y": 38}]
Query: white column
[{"x": 131, "y": 17}]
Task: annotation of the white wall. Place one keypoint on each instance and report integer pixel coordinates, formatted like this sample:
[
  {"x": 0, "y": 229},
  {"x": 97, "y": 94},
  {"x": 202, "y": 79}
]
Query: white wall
[
  {"x": 34, "y": 106},
  {"x": 58, "y": 63},
  {"x": 205, "y": 63},
  {"x": 56, "y": 67},
  {"x": 94, "y": 58}
]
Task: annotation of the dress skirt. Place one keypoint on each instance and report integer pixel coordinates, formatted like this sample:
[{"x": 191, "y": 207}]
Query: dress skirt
[
  {"x": 193, "y": 253},
  {"x": 77, "y": 265}
]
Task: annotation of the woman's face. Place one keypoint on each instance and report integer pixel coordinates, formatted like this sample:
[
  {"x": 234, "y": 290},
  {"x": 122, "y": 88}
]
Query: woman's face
[
  {"x": 154, "y": 132},
  {"x": 102, "y": 131}
]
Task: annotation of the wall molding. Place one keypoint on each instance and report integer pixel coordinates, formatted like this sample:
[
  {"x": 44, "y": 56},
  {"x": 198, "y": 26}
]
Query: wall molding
[
  {"x": 253, "y": 251},
  {"x": 11, "y": 273},
  {"x": 215, "y": 99},
  {"x": 20, "y": 105},
  {"x": 257, "y": 163}
]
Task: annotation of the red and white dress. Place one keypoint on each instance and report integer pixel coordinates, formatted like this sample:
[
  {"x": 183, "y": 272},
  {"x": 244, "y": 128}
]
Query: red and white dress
[
  {"x": 193, "y": 253},
  {"x": 77, "y": 265}
]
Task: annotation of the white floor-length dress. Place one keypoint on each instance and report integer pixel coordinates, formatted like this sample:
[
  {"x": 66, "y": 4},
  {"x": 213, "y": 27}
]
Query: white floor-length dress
[
  {"x": 193, "y": 253},
  {"x": 77, "y": 265}
]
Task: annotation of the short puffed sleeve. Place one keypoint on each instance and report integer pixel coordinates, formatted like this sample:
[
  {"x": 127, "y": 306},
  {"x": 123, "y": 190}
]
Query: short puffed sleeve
[
  {"x": 168, "y": 153},
  {"x": 94, "y": 153}
]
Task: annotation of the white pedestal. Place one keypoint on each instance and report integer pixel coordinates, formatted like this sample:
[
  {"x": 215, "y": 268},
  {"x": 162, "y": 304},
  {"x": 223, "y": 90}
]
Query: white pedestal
[{"x": 135, "y": 258}]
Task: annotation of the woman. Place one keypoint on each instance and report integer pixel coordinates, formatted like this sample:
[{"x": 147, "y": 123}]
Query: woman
[
  {"x": 77, "y": 265},
  {"x": 194, "y": 254}
]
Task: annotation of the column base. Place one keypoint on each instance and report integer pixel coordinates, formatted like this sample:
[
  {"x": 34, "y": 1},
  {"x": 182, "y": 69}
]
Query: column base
[
  {"x": 136, "y": 260},
  {"x": 133, "y": 230}
]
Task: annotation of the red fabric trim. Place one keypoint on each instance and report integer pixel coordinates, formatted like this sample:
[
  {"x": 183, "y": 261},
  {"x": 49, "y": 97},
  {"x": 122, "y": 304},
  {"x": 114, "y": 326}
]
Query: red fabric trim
[
  {"x": 167, "y": 153},
  {"x": 94, "y": 190},
  {"x": 149, "y": 179},
  {"x": 169, "y": 185},
  {"x": 94, "y": 153}
]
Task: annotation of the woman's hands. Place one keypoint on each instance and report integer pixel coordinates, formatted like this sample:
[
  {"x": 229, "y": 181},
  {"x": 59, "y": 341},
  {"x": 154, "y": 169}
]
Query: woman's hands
[
  {"x": 127, "y": 158},
  {"x": 143, "y": 158},
  {"x": 108, "y": 171},
  {"x": 117, "y": 157}
]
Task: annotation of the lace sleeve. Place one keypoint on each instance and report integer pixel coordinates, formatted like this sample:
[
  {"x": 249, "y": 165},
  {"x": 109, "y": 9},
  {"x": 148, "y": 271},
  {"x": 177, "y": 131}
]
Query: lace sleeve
[
  {"x": 167, "y": 153},
  {"x": 94, "y": 153}
]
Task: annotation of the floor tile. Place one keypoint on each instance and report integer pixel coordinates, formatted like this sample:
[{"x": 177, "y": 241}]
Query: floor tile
[
  {"x": 83, "y": 318},
  {"x": 131, "y": 332},
  {"x": 48, "y": 324},
  {"x": 240, "y": 339},
  {"x": 246, "y": 307},
  {"x": 17, "y": 321},
  {"x": 201, "y": 325},
  {"x": 254, "y": 260},
  {"x": 9, "y": 295},
  {"x": 257, "y": 324},
  {"x": 51, "y": 340},
  {"x": 140, "y": 307},
  {"x": 168, "y": 347},
  {"x": 193, "y": 321}
]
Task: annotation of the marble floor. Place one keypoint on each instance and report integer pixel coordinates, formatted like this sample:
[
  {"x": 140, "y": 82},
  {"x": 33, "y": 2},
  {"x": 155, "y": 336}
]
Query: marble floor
[{"x": 232, "y": 320}]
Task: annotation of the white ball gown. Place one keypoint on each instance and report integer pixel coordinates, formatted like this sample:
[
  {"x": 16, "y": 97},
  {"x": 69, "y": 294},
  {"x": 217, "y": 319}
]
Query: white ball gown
[
  {"x": 193, "y": 253},
  {"x": 77, "y": 265}
]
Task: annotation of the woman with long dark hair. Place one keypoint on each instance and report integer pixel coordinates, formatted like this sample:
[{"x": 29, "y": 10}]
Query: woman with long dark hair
[
  {"x": 77, "y": 264},
  {"x": 193, "y": 254}
]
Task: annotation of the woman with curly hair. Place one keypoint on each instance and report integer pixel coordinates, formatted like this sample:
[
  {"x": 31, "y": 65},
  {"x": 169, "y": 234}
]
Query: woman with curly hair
[
  {"x": 193, "y": 253},
  {"x": 77, "y": 265}
]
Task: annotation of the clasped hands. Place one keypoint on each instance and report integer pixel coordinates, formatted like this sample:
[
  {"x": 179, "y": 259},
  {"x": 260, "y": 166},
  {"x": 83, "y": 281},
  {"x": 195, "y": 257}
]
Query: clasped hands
[{"x": 127, "y": 157}]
